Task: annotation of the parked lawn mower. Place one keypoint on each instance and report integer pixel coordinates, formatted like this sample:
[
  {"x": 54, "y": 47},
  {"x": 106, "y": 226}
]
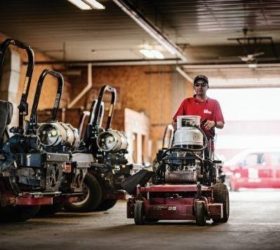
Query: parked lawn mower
[
  {"x": 15, "y": 204},
  {"x": 186, "y": 183},
  {"x": 37, "y": 166},
  {"x": 62, "y": 140},
  {"x": 103, "y": 181}
]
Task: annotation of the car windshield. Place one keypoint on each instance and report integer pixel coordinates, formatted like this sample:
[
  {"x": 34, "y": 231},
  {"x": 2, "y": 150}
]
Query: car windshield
[
  {"x": 240, "y": 157},
  {"x": 275, "y": 158},
  {"x": 237, "y": 158}
]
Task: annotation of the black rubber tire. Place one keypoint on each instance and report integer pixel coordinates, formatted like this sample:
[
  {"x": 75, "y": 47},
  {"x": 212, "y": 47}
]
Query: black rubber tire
[
  {"x": 151, "y": 221},
  {"x": 221, "y": 195},
  {"x": 200, "y": 214},
  {"x": 93, "y": 197},
  {"x": 49, "y": 210},
  {"x": 107, "y": 204},
  {"x": 17, "y": 213},
  {"x": 139, "y": 217}
]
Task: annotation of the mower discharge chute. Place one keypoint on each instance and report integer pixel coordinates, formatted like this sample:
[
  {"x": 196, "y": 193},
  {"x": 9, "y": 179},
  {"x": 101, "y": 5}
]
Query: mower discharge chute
[
  {"x": 186, "y": 183},
  {"x": 108, "y": 147}
]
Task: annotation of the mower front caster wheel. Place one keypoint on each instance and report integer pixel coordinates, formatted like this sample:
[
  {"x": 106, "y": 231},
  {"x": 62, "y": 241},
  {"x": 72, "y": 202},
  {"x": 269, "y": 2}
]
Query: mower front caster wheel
[
  {"x": 221, "y": 195},
  {"x": 139, "y": 217},
  {"x": 200, "y": 214}
]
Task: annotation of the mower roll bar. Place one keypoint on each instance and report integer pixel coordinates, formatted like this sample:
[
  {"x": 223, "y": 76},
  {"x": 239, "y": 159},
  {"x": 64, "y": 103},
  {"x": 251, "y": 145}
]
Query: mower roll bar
[
  {"x": 94, "y": 112},
  {"x": 90, "y": 114},
  {"x": 94, "y": 121},
  {"x": 23, "y": 106},
  {"x": 60, "y": 79},
  {"x": 168, "y": 136}
]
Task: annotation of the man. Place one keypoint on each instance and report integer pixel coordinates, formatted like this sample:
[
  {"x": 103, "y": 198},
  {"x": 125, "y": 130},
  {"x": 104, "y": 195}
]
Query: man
[{"x": 207, "y": 108}]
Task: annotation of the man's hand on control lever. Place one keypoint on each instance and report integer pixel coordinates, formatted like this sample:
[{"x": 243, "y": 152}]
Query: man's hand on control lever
[{"x": 208, "y": 124}]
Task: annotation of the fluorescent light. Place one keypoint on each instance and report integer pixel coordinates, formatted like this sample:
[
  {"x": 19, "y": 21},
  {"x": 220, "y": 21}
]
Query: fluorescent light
[
  {"x": 152, "y": 53},
  {"x": 157, "y": 54},
  {"x": 80, "y": 4},
  {"x": 94, "y": 4},
  {"x": 87, "y": 4},
  {"x": 147, "y": 53}
]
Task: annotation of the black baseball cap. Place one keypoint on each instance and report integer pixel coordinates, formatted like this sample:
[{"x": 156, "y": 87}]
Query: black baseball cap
[{"x": 201, "y": 79}]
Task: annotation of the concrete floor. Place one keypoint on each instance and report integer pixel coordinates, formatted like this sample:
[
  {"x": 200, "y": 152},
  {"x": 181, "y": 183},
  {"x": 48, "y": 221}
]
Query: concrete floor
[{"x": 254, "y": 224}]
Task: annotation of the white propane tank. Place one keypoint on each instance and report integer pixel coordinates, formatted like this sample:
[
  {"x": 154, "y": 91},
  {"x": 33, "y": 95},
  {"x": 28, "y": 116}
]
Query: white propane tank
[
  {"x": 58, "y": 133},
  {"x": 187, "y": 134},
  {"x": 112, "y": 140}
]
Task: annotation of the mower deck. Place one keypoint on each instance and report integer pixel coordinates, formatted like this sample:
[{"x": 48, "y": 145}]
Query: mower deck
[{"x": 174, "y": 202}]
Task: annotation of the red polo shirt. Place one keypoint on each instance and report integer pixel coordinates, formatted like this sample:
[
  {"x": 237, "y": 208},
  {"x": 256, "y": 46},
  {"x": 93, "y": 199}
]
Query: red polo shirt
[{"x": 207, "y": 110}]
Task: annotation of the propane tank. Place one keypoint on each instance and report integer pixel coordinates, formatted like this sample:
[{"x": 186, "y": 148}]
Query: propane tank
[
  {"x": 187, "y": 133},
  {"x": 112, "y": 140},
  {"x": 58, "y": 133}
]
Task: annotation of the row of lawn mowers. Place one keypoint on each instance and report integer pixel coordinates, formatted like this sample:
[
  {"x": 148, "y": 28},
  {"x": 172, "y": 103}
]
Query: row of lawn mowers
[{"x": 47, "y": 166}]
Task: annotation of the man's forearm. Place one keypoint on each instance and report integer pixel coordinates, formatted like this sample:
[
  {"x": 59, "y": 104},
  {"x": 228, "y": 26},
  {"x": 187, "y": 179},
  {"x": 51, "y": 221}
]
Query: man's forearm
[{"x": 219, "y": 124}]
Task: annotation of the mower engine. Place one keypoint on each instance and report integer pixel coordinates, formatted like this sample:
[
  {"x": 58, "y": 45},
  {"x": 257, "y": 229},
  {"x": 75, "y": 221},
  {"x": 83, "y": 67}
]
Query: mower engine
[
  {"x": 113, "y": 144},
  {"x": 185, "y": 161},
  {"x": 181, "y": 166}
]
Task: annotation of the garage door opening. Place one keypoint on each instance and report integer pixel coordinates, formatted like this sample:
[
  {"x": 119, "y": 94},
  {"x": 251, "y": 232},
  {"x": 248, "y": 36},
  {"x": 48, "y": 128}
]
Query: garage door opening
[
  {"x": 249, "y": 144},
  {"x": 252, "y": 119}
]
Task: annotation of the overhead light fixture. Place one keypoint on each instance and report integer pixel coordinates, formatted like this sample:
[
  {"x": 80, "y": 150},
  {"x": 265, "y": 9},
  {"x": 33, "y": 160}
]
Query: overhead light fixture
[
  {"x": 87, "y": 4},
  {"x": 94, "y": 4},
  {"x": 152, "y": 53},
  {"x": 151, "y": 29}
]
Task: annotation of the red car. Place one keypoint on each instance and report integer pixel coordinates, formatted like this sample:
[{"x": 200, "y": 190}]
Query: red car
[{"x": 253, "y": 169}]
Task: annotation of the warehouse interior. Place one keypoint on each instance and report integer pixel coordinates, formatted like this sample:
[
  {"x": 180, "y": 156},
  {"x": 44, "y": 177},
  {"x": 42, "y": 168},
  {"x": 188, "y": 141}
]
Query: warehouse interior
[{"x": 150, "y": 52}]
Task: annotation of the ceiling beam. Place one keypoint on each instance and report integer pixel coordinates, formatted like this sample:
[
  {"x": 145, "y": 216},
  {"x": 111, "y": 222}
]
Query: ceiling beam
[
  {"x": 183, "y": 73},
  {"x": 167, "y": 61}
]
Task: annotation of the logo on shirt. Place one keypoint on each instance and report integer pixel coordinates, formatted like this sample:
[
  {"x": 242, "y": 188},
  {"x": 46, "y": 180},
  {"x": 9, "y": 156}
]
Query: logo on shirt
[{"x": 207, "y": 111}]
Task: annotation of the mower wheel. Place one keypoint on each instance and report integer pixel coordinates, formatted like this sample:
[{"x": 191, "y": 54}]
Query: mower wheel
[
  {"x": 17, "y": 213},
  {"x": 151, "y": 221},
  {"x": 200, "y": 214},
  {"x": 221, "y": 195},
  {"x": 91, "y": 198},
  {"x": 139, "y": 217}
]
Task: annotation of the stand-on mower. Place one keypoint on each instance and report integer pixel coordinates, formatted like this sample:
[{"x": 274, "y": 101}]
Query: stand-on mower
[{"x": 186, "y": 183}]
